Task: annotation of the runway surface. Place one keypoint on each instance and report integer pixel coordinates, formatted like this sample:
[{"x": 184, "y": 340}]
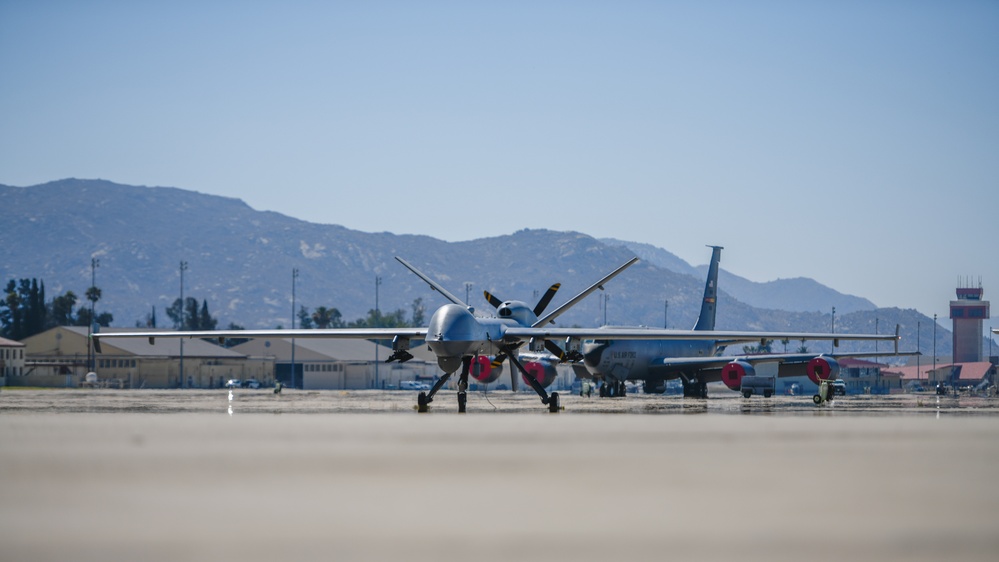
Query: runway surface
[{"x": 192, "y": 475}]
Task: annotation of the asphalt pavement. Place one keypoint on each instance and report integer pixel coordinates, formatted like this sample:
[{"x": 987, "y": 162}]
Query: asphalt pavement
[{"x": 359, "y": 475}]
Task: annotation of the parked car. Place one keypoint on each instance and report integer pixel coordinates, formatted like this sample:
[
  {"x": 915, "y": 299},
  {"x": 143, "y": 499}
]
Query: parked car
[
  {"x": 233, "y": 383},
  {"x": 251, "y": 383},
  {"x": 413, "y": 385},
  {"x": 839, "y": 387}
]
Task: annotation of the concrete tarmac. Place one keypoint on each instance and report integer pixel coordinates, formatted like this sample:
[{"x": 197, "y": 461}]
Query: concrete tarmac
[{"x": 195, "y": 475}]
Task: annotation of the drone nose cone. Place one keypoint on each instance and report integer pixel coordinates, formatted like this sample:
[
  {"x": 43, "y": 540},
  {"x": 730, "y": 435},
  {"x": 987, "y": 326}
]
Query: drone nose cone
[
  {"x": 452, "y": 323},
  {"x": 452, "y": 331}
]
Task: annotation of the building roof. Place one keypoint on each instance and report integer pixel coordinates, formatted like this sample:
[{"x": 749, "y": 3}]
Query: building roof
[
  {"x": 4, "y": 342},
  {"x": 966, "y": 371}
]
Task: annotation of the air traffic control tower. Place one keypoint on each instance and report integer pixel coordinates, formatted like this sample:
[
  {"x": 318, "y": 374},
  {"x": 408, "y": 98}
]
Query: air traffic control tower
[{"x": 968, "y": 313}]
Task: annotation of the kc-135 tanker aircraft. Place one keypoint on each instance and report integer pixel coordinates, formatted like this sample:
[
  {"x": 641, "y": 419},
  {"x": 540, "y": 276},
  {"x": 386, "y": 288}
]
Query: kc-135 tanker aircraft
[
  {"x": 458, "y": 337},
  {"x": 699, "y": 361}
]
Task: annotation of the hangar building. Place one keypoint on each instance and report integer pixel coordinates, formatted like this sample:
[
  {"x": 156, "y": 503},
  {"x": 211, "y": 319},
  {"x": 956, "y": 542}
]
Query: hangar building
[
  {"x": 339, "y": 364},
  {"x": 59, "y": 358}
]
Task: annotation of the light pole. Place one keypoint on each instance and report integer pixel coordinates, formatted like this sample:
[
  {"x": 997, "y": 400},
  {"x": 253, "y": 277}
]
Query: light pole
[
  {"x": 294, "y": 276},
  {"x": 91, "y": 359},
  {"x": 919, "y": 349},
  {"x": 878, "y": 372},
  {"x": 666, "y": 316},
  {"x": 183, "y": 313},
  {"x": 606, "y": 298},
  {"x": 832, "y": 330},
  {"x": 934, "y": 347},
  {"x": 468, "y": 288},
  {"x": 378, "y": 316}
]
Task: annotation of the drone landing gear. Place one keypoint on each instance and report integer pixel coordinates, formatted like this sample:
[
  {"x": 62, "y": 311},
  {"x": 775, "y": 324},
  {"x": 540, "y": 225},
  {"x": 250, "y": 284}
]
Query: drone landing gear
[
  {"x": 466, "y": 364},
  {"x": 424, "y": 399},
  {"x": 552, "y": 401}
]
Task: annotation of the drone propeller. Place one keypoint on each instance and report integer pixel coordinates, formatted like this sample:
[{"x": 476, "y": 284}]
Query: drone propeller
[
  {"x": 492, "y": 299},
  {"x": 555, "y": 350},
  {"x": 514, "y": 371},
  {"x": 498, "y": 362},
  {"x": 552, "y": 347},
  {"x": 546, "y": 299},
  {"x": 543, "y": 303}
]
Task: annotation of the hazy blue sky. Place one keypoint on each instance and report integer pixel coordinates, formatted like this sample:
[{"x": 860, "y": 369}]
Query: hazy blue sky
[{"x": 856, "y": 143}]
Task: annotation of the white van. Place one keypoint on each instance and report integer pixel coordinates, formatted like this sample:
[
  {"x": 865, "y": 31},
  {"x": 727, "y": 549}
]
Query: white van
[{"x": 413, "y": 385}]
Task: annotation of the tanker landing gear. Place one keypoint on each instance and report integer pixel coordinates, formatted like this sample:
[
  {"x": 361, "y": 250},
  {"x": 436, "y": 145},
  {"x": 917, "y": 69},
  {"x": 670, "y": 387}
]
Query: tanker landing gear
[
  {"x": 694, "y": 387},
  {"x": 613, "y": 389},
  {"x": 654, "y": 386}
]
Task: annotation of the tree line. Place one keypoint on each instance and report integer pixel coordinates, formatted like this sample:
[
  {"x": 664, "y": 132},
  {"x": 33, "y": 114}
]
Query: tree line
[
  {"x": 330, "y": 317},
  {"x": 24, "y": 312}
]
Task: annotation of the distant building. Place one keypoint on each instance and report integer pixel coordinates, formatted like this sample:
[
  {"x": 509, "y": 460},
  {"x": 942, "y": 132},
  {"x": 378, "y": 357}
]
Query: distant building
[
  {"x": 58, "y": 358},
  {"x": 868, "y": 377},
  {"x": 968, "y": 314},
  {"x": 959, "y": 375},
  {"x": 11, "y": 359},
  {"x": 339, "y": 364}
]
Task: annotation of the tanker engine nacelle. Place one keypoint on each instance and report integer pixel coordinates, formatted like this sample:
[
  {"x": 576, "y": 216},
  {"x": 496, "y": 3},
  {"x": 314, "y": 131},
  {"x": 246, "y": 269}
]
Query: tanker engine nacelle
[
  {"x": 484, "y": 371},
  {"x": 543, "y": 371},
  {"x": 822, "y": 368},
  {"x": 733, "y": 373}
]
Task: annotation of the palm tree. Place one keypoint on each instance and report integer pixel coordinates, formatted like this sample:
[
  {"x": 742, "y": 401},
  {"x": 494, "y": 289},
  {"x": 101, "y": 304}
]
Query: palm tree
[
  {"x": 94, "y": 294},
  {"x": 326, "y": 317}
]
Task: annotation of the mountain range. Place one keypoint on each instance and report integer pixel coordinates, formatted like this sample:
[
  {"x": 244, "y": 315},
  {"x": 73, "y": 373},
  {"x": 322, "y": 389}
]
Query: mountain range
[{"x": 241, "y": 261}]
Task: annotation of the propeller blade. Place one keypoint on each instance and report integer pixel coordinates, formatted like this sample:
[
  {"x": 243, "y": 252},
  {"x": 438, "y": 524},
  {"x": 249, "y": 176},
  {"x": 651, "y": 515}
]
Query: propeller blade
[
  {"x": 514, "y": 376},
  {"x": 545, "y": 299},
  {"x": 497, "y": 361},
  {"x": 492, "y": 299},
  {"x": 555, "y": 350}
]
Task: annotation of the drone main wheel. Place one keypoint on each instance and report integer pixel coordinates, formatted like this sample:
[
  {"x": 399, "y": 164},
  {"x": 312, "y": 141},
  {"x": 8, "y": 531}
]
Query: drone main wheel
[
  {"x": 553, "y": 403},
  {"x": 462, "y": 398},
  {"x": 421, "y": 402}
]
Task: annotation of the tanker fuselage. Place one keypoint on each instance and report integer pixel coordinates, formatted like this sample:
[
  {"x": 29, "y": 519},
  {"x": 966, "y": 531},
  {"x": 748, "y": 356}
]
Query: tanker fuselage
[{"x": 631, "y": 359}]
